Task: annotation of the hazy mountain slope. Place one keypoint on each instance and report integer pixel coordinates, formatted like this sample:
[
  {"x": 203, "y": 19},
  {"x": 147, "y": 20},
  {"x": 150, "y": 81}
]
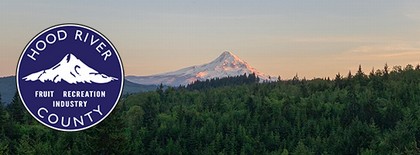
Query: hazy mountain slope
[
  {"x": 7, "y": 88},
  {"x": 130, "y": 87}
]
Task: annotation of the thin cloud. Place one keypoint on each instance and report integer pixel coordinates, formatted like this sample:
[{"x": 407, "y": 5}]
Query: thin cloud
[
  {"x": 413, "y": 15},
  {"x": 385, "y": 48},
  {"x": 380, "y": 52},
  {"x": 402, "y": 54},
  {"x": 346, "y": 39}
]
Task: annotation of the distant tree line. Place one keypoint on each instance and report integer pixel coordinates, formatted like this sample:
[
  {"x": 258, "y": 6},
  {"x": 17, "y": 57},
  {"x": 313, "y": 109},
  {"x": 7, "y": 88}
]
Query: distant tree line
[{"x": 222, "y": 82}]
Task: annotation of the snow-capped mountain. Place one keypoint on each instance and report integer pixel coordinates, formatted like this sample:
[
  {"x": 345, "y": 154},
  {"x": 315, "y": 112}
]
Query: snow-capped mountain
[
  {"x": 227, "y": 64},
  {"x": 72, "y": 70}
]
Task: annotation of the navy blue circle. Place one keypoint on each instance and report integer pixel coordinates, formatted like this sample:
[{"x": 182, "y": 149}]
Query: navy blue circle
[{"x": 81, "y": 43}]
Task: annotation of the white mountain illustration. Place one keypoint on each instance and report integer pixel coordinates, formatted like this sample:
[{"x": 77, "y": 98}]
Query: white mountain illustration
[{"x": 72, "y": 70}]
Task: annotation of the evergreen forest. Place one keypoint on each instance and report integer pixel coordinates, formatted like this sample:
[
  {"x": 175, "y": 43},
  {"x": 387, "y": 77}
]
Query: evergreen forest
[{"x": 373, "y": 112}]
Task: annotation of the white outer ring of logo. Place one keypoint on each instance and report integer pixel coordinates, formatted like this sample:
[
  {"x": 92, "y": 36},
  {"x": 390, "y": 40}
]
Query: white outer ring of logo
[{"x": 82, "y": 26}]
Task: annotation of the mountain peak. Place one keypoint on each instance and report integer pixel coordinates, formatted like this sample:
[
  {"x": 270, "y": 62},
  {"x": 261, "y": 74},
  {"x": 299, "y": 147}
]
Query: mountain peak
[
  {"x": 227, "y": 64},
  {"x": 227, "y": 57},
  {"x": 69, "y": 57},
  {"x": 227, "y": 53}
]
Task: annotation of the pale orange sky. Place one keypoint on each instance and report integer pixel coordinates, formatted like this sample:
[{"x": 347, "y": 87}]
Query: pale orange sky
[{"x": 308, "y": 38}]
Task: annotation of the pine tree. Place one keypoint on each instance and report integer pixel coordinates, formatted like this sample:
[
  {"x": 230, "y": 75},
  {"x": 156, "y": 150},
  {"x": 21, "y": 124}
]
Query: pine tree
[
  {"x": 16, "y": 110},
  {"x": 301, "y": 149},
  {"x": 4, "y": 145},
  {"x": 108, "y": 136},
  {"x": 338, "y": 82},
  {"x": 2, "y": 115},
  {"x": 349, "y": 75},
  {"x": 25, "y": 145},
  {"x": 386, "y": 69},
  {"x": 285, "y": 152},
  {"x": 359, "y": 71},
  {"x": 4, "y": 141}
]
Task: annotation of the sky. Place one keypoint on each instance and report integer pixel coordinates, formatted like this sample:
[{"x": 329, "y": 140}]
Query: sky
[{"x": 311, "y": 38}]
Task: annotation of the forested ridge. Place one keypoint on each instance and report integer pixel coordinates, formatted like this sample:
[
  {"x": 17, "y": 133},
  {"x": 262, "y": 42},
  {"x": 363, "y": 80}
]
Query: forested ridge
[{"x": 377, "y": 112}]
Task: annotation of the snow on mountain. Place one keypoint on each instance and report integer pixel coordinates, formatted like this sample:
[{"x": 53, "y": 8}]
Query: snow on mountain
[
  {"x": 227, "y": 64},
  {"x": 72, "y": 70}
]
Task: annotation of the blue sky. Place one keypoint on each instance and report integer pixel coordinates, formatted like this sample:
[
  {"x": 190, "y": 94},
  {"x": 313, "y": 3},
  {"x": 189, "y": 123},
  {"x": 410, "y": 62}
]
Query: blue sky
[{"x": 309, "y": 38}]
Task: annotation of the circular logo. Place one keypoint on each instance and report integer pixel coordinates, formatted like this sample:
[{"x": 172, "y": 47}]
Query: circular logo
[{"x": 70, "y": 77}]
